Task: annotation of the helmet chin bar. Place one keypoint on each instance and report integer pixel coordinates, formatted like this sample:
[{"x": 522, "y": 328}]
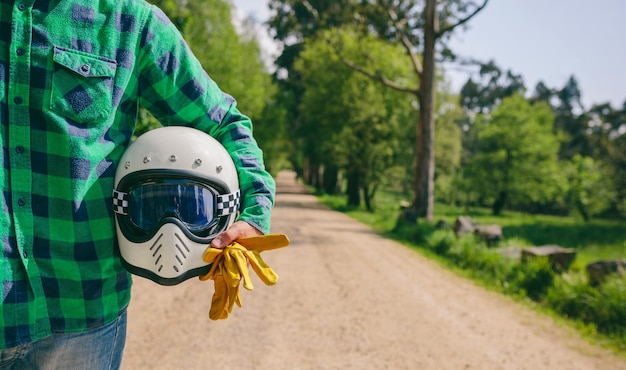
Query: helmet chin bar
[{"x": 168, "y": 258}]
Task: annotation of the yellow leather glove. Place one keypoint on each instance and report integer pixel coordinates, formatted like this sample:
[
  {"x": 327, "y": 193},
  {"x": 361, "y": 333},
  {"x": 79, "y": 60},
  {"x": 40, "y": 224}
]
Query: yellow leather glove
[{"x": 230, "y": 266}]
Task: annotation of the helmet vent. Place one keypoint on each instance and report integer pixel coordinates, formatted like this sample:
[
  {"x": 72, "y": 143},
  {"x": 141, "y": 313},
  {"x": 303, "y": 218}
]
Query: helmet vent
[
  {"x": 174, "y": 259},
  {"x": 156, "y": 252},
  {"x": 182, "y": 251}
]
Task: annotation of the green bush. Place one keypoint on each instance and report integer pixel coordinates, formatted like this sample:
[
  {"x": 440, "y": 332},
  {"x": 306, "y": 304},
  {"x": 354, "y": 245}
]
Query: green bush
[
  {"x": 603, "y": 307},
  {"x": 531, "y": 278},
  {"x": 572, "y": 296},
  {"x": 470, "y": 253},
  {"x": 610, "y": 307},
  {"x": 440, "y": 241},
  {"x": 464, "y": 251}
]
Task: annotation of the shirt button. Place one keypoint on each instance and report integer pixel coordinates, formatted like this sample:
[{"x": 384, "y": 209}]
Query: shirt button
[
  {"x": 19, "y": 149},
  {"x": 25, "y": 254},
  {"x": 85, "y": 68},
  {"x": 20, "y": 51},
  {"x": 18, "y": 100},
  {"x": 21, "y": 202},
  {"x": 21, "y": 6}
]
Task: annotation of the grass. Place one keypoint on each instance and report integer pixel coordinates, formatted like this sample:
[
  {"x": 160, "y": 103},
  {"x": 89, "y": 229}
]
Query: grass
[
  {"x": 595, "y": 240},
  {"x": 598, "y": 239}
]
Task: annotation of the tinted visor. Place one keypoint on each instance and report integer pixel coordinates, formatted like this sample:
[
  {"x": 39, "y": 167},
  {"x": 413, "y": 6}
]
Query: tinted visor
[{"x": 193, "y": 203}]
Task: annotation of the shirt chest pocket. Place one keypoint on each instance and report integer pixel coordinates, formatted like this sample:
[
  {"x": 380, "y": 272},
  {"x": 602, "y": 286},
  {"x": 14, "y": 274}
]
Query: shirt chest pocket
[{"x": 82, "y": 85}]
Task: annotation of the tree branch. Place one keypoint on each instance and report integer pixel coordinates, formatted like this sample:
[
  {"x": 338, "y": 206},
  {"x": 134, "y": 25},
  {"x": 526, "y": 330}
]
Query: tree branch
[
  {"x": 311, "y": 10},
  {"x": 379, "y": 77},
  {"x": 408, "y": 45},
  {"x": 462, "y": 21}
]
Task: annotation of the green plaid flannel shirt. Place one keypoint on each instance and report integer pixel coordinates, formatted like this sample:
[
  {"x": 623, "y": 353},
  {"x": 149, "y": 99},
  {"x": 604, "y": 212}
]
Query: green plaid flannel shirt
[{"x": 72, "y": 74}]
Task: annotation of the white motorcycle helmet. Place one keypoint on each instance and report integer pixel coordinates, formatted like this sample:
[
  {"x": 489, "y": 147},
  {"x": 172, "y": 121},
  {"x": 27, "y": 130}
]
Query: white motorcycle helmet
[{"x": 175, "y": 189}]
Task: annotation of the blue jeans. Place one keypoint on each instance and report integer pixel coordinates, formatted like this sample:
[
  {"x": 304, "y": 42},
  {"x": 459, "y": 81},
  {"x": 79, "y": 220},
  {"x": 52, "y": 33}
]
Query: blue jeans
[{"x": 98, "y": 349}]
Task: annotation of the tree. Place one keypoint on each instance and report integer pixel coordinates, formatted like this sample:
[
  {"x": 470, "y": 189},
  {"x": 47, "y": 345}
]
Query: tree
[
  {"x": 606, "y": 132},
  {"x": 491, "y": 87},
  {"x": 232, "y": 58},
  {"x": 517, "y": 161},
  {"x": 417, "y": 27},
  {"x": 349, "y": 121},
  {"x": 589, "y": 193},
  {"x": 448, "y": 145},
  {"x": 480, "y": 95}
]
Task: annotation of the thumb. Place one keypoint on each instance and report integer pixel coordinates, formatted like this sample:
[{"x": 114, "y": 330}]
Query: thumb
[{"x": 238, "y": 230}]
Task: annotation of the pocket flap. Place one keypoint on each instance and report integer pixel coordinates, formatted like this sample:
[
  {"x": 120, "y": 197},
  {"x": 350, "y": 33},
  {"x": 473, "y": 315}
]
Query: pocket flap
[{"x": 84, "y": 64}]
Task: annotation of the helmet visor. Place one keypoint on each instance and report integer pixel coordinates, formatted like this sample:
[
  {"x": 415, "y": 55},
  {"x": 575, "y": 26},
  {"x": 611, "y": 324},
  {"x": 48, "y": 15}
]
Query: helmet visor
[{"x": 193, "y": 203}]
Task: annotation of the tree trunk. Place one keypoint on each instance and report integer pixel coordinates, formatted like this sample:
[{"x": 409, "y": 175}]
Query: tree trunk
[
  {"x": 354, "y": 184},
  {"x": 367, "y": 199},
  {"x": 425, "y": 149},
  {"x": 312, "y": 175},
  {"x": 330, "y": 179},
  {"x": 582, "y": 210},
  {"x": 500, "y": 202}
]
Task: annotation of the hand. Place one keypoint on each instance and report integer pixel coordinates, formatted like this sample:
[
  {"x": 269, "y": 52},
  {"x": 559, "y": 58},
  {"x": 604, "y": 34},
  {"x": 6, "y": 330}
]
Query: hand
[{"x": 238, "y": 230}]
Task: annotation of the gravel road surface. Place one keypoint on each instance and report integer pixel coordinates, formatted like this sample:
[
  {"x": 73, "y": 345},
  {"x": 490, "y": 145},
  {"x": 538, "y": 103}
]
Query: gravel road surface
[{"x": 347, "y": 299}]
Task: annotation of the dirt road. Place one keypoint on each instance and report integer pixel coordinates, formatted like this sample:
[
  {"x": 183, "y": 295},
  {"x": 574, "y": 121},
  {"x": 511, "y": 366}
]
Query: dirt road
[{"x": 347, "y": 299}]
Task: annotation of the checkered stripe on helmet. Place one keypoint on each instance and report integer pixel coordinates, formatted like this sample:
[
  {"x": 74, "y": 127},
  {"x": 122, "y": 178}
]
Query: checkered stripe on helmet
[
  {"x": 120, "y": 202},
  {"x": 227, "y": 203}
]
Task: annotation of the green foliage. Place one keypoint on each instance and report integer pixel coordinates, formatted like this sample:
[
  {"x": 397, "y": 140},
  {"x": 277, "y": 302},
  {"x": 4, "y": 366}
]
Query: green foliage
[
  {"x": 441, "y": 241},
  {"x": 517, "y": 162},
  {"x": 360, "y": 126},
  {"x": 471, "y": 253},
  {"x": 606, "y": 133},
  {"x": 603, "y": 307},
  {"x": 610, "y": 307},
  {"x": 532, "y": 278},
  {"x": 588, "y": 193},
  {"x": 448, "y": 146},
  {"x": 232, "y": 58},
  {"x": 572, "y": 296},
  {"x": 145, "y": 122},
  {"x": 491, "y": 87},
  {"x": 271, "y": 131}
]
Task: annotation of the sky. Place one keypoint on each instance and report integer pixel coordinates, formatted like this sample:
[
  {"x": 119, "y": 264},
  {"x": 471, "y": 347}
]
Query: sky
[{"x": 542, "y": 40}]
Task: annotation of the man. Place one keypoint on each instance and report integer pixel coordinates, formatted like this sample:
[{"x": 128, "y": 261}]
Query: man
[{"x": 72, "y": 73}]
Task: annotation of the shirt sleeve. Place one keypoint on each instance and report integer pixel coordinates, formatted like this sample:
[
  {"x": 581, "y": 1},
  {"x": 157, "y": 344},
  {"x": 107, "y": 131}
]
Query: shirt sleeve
[{"x": 174, "y": 87}]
